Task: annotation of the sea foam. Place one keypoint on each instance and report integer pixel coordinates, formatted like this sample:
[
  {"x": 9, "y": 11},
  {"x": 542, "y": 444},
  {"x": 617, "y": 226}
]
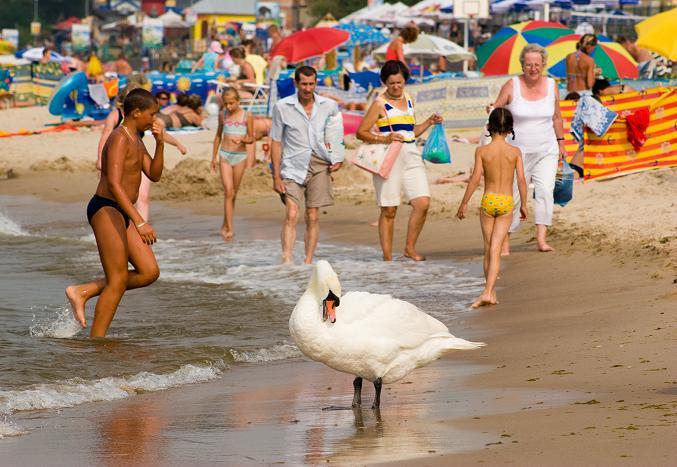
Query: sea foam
[
  {"x": 77, "y": 391},
  {"x": 10, "y": 227}
]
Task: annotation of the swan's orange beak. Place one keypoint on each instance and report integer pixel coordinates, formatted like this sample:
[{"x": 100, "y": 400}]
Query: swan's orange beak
[{"x": 329, "y": 305}]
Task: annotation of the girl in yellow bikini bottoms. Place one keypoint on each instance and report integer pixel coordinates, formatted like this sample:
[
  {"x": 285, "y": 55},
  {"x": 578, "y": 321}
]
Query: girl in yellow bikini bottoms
[
  {"x": 497, "y": 162},
  {"x": 235, "y": 130}
]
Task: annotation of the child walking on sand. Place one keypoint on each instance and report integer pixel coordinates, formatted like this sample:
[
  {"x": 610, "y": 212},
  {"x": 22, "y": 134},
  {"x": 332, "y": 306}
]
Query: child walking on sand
[
  {"x": 235, "y": 131},
  {"x": 497, "y": 161},
  {"x": 122, "y": 235}
]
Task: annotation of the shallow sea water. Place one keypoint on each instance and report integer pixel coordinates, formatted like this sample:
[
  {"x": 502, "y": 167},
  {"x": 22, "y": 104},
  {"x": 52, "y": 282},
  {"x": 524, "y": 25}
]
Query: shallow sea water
[{"x": 215, "y": 306}]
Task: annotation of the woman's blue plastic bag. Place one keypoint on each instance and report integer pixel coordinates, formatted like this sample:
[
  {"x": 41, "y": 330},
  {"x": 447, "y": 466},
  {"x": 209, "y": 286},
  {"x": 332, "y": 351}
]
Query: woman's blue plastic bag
[
  {"x": 564, "y": 184},
  {"x": 436, "y": 149}
]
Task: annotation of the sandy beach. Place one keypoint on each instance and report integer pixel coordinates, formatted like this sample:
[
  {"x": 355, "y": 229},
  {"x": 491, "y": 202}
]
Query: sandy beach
[{"x": 579, "y": 367}]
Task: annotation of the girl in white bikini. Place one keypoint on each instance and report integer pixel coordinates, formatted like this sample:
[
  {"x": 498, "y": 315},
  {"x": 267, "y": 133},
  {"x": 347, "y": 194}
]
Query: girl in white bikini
[{"x": 236, "y": 129}]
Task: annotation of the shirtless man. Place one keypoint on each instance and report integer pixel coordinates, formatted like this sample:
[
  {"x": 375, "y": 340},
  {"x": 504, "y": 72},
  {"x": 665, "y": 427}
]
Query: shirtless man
[
  {"x": 581, "y": 69},
  {"x": 111, "y": 209}
]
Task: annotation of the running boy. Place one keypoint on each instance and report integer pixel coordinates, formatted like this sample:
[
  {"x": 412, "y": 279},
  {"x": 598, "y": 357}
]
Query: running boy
[
  {"x": 236, "y": 129},
  {"x": 497, "y": 161},
  {"x": 122, "y": 235}
]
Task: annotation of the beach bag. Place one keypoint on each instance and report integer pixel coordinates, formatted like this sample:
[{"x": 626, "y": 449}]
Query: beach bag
[
  {"x": 333, "y": 137},
  {"x": 436, "y": 149},
  {"x": 564, "y": 184},
  {"x": 378, "y": 159}
]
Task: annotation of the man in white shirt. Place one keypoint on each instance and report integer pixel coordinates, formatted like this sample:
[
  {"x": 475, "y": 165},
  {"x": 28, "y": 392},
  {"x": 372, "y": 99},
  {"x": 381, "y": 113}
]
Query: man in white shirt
[{"x": 302, "y": 164}]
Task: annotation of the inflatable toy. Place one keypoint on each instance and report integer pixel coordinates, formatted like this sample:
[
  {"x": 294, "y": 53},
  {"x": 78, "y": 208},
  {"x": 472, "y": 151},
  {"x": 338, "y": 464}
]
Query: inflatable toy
[{"x": 72, "y": 100}]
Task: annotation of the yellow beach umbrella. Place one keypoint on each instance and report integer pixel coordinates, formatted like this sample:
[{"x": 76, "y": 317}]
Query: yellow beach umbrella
[{"x": 659, "y": 34}]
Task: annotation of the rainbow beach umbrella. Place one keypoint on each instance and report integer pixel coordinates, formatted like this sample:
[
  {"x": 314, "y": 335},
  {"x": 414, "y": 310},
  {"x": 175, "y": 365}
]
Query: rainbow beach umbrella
[
  {"x": 500, "y": 54},
  {"x": 610, "y": 56}
]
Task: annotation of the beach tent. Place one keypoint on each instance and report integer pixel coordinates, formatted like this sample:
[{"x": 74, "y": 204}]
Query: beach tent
[
  {"x": 361, "y": 34},
  {"x": 383, "y": 13}
]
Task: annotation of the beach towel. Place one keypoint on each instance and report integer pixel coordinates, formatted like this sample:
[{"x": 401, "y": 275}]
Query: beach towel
[
  {"x": 333, "y": 137},
  {"x": 436, "y": 149},
  {"x": 592, "y": 114}
]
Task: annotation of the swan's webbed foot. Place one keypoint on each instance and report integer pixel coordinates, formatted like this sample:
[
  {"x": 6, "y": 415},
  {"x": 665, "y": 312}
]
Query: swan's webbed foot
[
  {"x": 357, "y": 395},
  {"x": 377, "y": 398}
]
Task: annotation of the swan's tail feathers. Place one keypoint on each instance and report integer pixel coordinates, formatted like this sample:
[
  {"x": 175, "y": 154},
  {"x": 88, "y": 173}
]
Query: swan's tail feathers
[{"x": 456, "y": 343}]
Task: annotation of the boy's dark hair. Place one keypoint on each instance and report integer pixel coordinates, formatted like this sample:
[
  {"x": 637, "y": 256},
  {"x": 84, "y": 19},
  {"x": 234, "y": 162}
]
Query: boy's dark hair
[
  {"x": 394, "y": 67},
  {"x": 572, "y": 96},
  {"x": 500, "y": 122},
  {"x": 305, "y": 71},
  {"x": 162, "y": 93},
  {"x": 138, "y": 99}
]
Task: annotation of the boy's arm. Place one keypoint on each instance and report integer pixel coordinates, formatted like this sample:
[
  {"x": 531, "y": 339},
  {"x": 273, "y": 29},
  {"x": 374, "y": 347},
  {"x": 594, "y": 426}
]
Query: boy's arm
[
  {"x": 152, "y": 167},
  {"x": 217, "y": 142},
  {"x": 473, "y": 183},
  {"x": 115, "y": 162}
]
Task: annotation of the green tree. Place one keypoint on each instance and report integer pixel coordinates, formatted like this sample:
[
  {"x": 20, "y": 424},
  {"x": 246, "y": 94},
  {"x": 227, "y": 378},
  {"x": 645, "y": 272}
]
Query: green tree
[{"x": 18, "y": 14}]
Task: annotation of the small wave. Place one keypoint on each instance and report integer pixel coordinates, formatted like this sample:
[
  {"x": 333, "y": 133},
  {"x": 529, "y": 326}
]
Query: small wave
[
  {"x": 9, "y": 227},
  {"x": 277, "y": 352},
  {"x": 59, "y": 323},
  {"x": 75, "y": 392}
]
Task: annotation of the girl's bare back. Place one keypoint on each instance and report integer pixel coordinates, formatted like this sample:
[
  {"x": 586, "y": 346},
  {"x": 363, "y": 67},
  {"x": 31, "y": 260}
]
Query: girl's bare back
[{"x": 499, "y": 161}]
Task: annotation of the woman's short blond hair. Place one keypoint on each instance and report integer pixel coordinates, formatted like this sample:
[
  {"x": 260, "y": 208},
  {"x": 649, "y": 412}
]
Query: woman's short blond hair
[{"x": 533, "y": 48}]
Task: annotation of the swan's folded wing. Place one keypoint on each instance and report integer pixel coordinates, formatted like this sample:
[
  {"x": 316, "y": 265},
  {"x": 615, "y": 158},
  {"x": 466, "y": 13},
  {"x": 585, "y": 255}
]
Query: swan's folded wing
[{"x": 387, "y": 318}]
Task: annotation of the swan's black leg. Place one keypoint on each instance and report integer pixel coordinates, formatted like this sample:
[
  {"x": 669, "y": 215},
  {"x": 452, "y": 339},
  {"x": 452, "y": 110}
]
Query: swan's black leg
[
  {"x": 377, "y": 398},
  {"x": 357, "y": 395}
]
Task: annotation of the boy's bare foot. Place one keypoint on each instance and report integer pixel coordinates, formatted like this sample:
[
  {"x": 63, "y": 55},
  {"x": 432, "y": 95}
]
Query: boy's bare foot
[
  {"x": 544, "y": 247},
  {"x": 77, "y": 300},
  {"x": 287, "y": 259},
  {"x": 413, "y": 255},
  {"x": 226, "y": 235}
]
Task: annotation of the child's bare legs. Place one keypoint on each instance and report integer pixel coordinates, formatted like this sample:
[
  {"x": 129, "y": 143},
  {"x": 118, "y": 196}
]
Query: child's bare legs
[
  {"x": 386, "y": 226},
  {"x": 505, "y": 248},
  {"x": 109, "y": 240},
  {"x": 231, "y": 177},
  {"x": 251, "y": 155},
  {"x": 494, "y": 231},
  {"x": 143, "y": 201},
  {"x": 541, "y": 231},
  {"x": 419, "y": 212}
]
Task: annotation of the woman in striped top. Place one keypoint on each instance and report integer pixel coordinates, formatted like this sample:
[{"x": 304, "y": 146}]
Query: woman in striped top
[{"x": 393, "y": 115}]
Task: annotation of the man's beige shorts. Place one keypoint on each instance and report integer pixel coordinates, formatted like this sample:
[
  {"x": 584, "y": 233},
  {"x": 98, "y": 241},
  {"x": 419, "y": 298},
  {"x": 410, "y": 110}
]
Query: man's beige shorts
[
  {"x": 316, "y": 189},
  {"x": 408, "y": 175}
]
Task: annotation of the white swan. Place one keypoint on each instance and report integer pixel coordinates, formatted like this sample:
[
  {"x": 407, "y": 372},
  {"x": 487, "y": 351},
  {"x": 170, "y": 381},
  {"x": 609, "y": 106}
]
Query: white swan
[{"x": 375, "y": 337}]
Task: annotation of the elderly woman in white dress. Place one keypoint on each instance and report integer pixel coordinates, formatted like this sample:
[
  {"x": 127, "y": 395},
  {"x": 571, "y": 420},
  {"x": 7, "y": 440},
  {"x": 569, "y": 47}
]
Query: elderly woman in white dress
[{"x": 533, "y": 100}]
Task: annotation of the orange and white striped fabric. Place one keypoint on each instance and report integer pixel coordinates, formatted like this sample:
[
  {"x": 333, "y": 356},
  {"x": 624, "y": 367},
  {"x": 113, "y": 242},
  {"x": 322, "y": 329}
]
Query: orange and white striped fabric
[{"x": 612, "y": 154}]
